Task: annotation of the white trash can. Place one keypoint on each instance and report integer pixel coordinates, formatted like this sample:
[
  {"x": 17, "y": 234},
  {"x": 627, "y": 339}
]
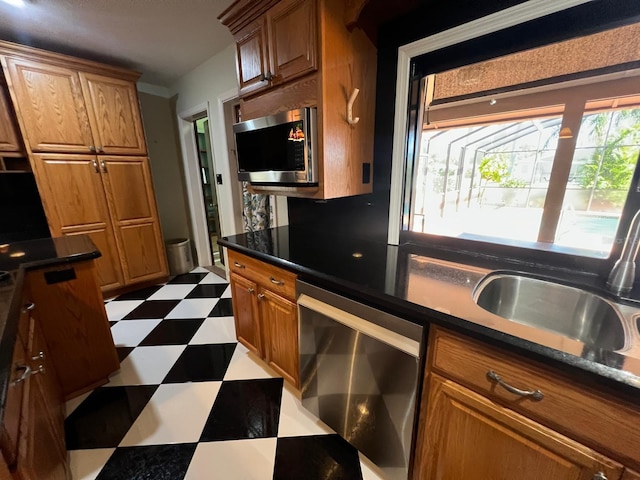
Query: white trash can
[{"x": 179, "y": 256}]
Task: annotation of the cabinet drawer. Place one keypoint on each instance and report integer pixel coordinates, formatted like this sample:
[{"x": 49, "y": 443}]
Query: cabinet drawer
[
  {"x": 273, "y": 278},
  {"x": 596, "y": 420}
]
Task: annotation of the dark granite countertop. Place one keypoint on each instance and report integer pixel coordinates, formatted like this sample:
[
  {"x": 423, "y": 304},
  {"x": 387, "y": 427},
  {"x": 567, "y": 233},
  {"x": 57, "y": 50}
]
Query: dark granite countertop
[
  {"x": 16, "y": 258},
  {"x": 436, "y": 286}
]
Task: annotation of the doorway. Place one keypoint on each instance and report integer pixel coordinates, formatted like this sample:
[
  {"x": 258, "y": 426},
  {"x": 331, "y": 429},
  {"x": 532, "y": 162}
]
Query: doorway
[{"x": 208, "y": 182}]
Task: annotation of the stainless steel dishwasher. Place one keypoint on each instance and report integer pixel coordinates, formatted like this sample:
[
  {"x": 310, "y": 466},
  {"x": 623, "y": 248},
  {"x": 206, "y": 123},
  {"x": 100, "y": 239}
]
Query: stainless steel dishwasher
[{"x": 359, "y": 371}]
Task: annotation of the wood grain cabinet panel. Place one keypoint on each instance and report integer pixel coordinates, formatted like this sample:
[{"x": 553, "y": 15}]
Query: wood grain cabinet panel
[
  {"x": 245, "y": 313},
  {"x": 129, "y": 188},
  {"x": 114, "y": 114},
  {"x": 9, "y": 140},
  {"x": 280, "y": 321},
  {"x": 293, "y": 43},
  {"x": 629, "y": 475},
  {"x": 50, "y": 106},
  {"x": 75, "y": 203},
  {"x": 252, "y": 57},
  {"x": 470, "y": 438},
  {"x": 75, "y": 326}
]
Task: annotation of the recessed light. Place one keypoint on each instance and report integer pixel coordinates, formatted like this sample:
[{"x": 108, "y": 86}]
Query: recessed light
[
  {"x": 17, "y": 254},
  {"x": 356, "y": 255}
]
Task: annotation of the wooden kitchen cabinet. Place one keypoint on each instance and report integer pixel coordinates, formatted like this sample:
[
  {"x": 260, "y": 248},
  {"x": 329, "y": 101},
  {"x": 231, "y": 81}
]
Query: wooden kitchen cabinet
[
  {"x": 75, "y": 326},
  {"x": 469, "y": 423},
  {"x": 114, "y": 114},
  {"x": 9, "y": 139},
  {"x": 293, "y": 54},
  {"x": 265, "y": 313},
  {"x": 82, "y": 129},
  {"x": 245, "y": 313},
  {"x": 110, "y": 199},
  {"x": 66, "y": 110},
  {"x": 629, "y": 475},
  {"x": 469, "y": 437}
]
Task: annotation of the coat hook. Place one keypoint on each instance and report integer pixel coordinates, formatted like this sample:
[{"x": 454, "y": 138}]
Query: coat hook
[{"x": 352, "y": 98}]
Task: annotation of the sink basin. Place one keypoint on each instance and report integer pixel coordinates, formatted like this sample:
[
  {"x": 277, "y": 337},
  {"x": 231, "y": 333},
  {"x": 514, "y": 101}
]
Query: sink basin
[{"x": 568, "y": 311}]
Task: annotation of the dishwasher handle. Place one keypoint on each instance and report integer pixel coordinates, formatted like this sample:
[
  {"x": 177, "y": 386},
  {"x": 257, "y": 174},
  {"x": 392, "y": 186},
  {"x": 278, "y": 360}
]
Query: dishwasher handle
[{"x": 359, "y": 324}]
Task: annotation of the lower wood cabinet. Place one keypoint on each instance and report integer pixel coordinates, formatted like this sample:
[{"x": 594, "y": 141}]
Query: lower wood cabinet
[
  {"x": 473, "y": 426},
  {"x": 265, "y": 313},
  {"x": 469, "y": 437}
]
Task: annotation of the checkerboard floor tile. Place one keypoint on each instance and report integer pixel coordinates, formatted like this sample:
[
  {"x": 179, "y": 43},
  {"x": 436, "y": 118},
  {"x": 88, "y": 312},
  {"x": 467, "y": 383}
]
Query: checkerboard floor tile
[{"x": 189, "y": 402}]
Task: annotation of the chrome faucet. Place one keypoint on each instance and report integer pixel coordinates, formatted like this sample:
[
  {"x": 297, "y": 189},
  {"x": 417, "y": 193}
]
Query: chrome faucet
[{"x": 623, "y": 272}]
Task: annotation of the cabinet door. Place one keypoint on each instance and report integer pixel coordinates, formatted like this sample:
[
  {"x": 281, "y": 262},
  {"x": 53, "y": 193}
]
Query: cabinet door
[
  {"x": 280, "y": 321},
  {"x": 245, "y": 313},
  {"x": 9, "y": 140},
  {"x": 42, "y": 453},
  {"x": 252, "y": 57},
  {"x": 293, "y": 43},
  {"x": 49, "y": 103},
  {"x": 134, "y": 215},
  {"x": 629, "y": 475},
  {"x": 469, "y": 437},
  {"x": 75, "y": 203},
  {"x": 114, "y": 114}
]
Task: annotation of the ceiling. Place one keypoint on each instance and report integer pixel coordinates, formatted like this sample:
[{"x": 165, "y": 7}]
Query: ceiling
[{"x": 162, "y": 39}]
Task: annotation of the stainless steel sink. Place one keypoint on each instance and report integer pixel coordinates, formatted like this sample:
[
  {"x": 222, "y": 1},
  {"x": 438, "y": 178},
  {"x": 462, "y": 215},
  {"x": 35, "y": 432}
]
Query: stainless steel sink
[{"x": 568, "y": 311}]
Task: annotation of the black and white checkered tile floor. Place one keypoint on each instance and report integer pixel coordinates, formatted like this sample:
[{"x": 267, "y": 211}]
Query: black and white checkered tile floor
[{"x": 190, "y": 402}]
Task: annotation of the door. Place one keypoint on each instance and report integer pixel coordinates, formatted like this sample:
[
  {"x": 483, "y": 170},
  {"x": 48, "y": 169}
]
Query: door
[
  {"x": 293, "y": 43},
  {"x": 208, "y": 184},
  {"x": 245, "y": 313},
  {"x": 75, "y": 203},
  {"x": 280, "y": 320},
  {"x": 252, "y": 57},
  {"x": 114, "y": 115},
  {"x": 468, "y": 437},
  {"x": 49, "y": 100},
  {"x": 127, "y": 183},
  {"x": 9, "y": 141}
]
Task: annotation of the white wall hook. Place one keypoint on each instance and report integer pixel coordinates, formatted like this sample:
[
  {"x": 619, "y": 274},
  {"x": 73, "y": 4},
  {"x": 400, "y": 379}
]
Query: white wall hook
[{"x": 352, "y": 98}]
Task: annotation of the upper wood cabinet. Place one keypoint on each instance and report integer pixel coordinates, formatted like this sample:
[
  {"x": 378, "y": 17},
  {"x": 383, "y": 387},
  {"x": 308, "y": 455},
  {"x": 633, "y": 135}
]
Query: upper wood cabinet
[
  {"x": 9, "y": 140},
  {"x": 114, "y": 115},
  {"x": 299, "y": 53},
  {"x": 64, "y": 110}
]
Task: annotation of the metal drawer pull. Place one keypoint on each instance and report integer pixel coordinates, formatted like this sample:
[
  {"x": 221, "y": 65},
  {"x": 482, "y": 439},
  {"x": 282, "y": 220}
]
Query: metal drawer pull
[
  {"x": 40, "y": 356},
  {"x": 40, "y": 369},
  {"x": 238, "y": 265},
  {"x": 277, "y": 282},
  {"x": 599, "y": 476},
  {"x": 260, "y": 296},
  {"x": 26, "y": 374},
  {"x": 536, "y": 395},
  {"x": 250, "y": 290},
  {"x": 28, "y": 307}
]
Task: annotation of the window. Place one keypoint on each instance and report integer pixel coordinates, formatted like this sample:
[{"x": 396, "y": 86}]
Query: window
[{"x": 543, "y": 163}]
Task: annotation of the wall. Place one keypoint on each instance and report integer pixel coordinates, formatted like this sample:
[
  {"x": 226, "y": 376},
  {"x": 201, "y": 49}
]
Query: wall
[
  {"x": 367, "y": 215},
  {"x": 164, "y": 156},
  {"x": 202, "y": 86}
]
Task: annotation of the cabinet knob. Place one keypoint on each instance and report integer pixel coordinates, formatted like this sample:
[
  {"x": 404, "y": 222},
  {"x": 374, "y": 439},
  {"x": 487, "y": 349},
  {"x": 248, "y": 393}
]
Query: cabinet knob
[
  {"x": 238, "y": 265},
  {"x": 28, "y": 307},
  {"x": 95, "y": 165},
  {"x": 599, "y": 476},
  {"x": 103, "y": 166},
  {"x": 260, "y": 296},
  {"x": 26, "y": 373},
  {"x": 92, "y": 148},
  {"x": 40, "y": 369},
  {"x": 40, "y": 356},
  {"x": 100, "y": 150},
  {"x": 250, "y": 290}
]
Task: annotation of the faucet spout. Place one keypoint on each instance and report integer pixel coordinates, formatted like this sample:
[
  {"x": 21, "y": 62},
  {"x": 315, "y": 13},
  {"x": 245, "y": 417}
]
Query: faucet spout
[{"x": 623, "y": 272}]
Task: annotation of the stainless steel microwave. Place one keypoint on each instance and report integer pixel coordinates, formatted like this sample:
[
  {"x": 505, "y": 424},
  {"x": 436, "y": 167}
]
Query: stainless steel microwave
[{"x": 279, "y": 149}]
